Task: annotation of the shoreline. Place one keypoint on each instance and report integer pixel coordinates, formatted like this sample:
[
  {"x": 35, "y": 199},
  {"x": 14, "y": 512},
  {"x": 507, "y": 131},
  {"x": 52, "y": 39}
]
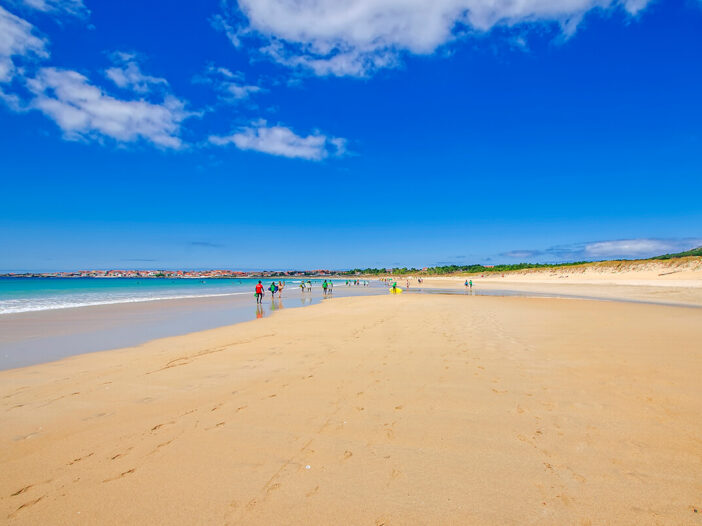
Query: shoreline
[
  {"x": 690, "y": 294},
  {"x": 434, "y": 409},
  {"x": 31, "y": 337}
]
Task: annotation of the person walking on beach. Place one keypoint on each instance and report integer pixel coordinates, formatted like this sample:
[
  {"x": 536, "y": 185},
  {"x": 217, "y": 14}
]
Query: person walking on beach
[
  {"x": 324, "y": 287},
  {"x": 259, "y": 292},
  {"x": 466, "y": 284},
  {"x": 470, "y": 283},
  {"x": 309, "y": 286},
  {"x": 273, "y": 288},
  {"x": 330, "y": 287},
  {"x": 302, "y": 286}
]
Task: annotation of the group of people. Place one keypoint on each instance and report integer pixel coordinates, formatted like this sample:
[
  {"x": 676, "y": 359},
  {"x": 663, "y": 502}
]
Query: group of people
[
  {"x": 275, "y": 288},
  {"x": 305, "y": 286},
  {"x": 356, "y": 283}
]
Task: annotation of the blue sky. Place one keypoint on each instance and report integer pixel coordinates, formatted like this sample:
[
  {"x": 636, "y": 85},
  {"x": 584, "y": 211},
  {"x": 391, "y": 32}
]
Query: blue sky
[{"x": 320, "y": 134}]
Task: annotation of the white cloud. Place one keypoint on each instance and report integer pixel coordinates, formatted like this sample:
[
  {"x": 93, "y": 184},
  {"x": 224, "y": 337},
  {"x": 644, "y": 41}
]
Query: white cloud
[
  {"x": 72, "y": 7},
  {"x": 611, "y": 249},
  {"x": 127, "y": 74},
  {"x": 83, "y": 110},
  {"x": 17, "y": 40},
  {"x": 356, "y": 37},
  {"x": 230, "y": 86},
  {"x": 638, "y": 247},
  {"x": 282, "y": 141}
]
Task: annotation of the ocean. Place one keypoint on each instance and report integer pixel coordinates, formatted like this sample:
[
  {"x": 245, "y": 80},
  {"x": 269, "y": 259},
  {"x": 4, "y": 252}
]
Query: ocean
[{"x": 39, "y": 294}]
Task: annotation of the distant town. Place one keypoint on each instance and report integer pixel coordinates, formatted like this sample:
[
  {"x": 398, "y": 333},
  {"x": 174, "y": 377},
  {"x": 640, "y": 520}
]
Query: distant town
[{"x": 170, "y": 274}]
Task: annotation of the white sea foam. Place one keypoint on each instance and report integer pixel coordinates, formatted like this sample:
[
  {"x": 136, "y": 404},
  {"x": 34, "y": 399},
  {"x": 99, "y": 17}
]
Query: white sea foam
[{"x": 16, "y": 306}]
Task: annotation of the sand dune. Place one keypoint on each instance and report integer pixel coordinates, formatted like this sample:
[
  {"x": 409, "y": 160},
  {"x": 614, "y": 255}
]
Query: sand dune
[
  {"x": 379, "y": 410},
  {"x": 676, "y": 281}
]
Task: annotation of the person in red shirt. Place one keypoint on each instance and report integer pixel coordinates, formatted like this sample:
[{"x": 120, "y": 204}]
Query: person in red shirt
[{"x": 259, "y": 292}]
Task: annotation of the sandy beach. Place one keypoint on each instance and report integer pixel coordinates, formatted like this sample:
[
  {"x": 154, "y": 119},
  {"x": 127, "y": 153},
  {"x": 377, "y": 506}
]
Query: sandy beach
[
  {"x": 410, "y": 409},
  {"x": 666, "y": 282}
]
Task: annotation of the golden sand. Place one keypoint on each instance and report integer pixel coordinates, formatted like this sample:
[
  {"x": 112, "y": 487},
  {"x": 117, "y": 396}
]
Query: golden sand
[{"x": 377, "y": 410}]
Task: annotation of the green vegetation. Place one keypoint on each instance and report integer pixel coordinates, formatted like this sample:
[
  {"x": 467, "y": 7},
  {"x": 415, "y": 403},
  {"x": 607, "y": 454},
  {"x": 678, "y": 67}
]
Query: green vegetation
[
  {"x": 694, "y": 252},
  {"x": 452, "y": 269}
]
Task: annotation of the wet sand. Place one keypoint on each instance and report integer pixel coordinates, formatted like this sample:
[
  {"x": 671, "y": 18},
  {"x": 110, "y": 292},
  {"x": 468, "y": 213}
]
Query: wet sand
[
  {"x": 409, "y": 409},
  {"x": 30, "y": 338},
  {"x": 684, "y": 295},
  {"x": 665, "y": 282}
]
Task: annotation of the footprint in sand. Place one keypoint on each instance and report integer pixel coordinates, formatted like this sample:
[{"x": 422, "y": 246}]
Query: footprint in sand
[
  {"x": 80, "y": 458},
  {"x": 123, "y": 474},
  {"x": 312, "y": 492},
  {"x": 20, "y": 491},
  {"x": 347, "y": 454},
  {"x": 25, "y": 505},
  {"x": 272, "y": 488},
  {"x": 159, "y": 426}
]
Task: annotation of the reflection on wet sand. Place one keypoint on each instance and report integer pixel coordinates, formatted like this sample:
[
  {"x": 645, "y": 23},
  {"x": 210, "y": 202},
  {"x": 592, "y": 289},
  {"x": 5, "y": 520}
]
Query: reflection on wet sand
[{"x": 305, "y": 299}]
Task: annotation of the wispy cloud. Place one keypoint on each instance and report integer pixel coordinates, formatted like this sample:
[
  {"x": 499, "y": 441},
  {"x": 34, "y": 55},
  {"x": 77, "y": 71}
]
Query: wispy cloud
[
  {"x": 126, "y": 73},
  {"x": 611, "y": 249},
  {"x": 205, "y": 244},
  {"x": 17, "y": 41},
  {"x": 328, "y": 37},
  {"x": 522, "y": 254},
  {"x": 229, "y": 85},
  {"x": 71, "y": 7},
  {"x": 220, "y": 23},
  {"x": 638, "y": 247},
  {"x": 282, "y": 141}
]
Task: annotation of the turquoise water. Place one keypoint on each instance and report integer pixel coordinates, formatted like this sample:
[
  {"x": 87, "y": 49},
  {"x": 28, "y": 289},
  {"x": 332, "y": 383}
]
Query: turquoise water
[{"x": 37, "y": 294}]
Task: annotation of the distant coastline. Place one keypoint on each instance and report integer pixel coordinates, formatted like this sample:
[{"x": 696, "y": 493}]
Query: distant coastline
[
  {"x": 691, "y": 257},
  {"x": 171, "y": 274}
]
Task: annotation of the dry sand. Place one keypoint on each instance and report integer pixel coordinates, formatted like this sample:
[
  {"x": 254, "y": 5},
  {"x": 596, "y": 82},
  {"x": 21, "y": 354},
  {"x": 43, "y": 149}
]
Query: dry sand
[{"x": 402, "y": 409}]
